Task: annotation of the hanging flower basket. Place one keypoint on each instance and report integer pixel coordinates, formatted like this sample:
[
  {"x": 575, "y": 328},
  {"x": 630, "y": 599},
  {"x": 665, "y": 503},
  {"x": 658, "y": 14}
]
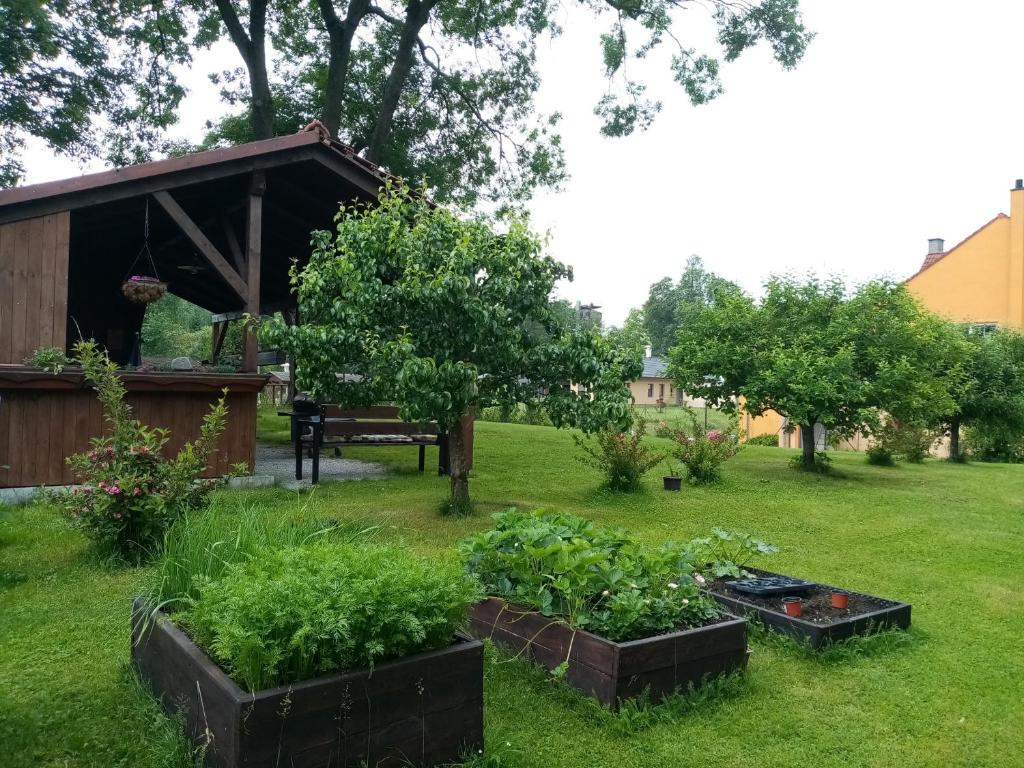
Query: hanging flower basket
[{"x": 142, "y": 289}]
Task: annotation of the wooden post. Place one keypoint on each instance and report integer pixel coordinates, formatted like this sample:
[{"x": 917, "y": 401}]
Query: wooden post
[{"x": 253, "y": 250}]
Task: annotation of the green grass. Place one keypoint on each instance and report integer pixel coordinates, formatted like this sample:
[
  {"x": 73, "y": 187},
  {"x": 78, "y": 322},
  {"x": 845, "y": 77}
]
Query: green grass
[{"x": 945, "y": 538}]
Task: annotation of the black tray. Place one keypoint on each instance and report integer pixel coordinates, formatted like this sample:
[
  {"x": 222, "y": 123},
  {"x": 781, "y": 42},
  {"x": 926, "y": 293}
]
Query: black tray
[{"x": 771, "y": 585}]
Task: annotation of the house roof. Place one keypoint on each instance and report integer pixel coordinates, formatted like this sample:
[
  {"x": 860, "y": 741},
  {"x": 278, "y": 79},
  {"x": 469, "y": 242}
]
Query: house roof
[
  {"x": 654, "y": 368},
  {"x": 933, "y": 258}
]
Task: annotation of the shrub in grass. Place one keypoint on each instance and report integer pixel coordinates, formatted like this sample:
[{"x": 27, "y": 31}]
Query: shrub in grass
[
  {"x": 703, "y": 452},
  {"x": 880, "y": 456},
  {"x": 130, "y": 493},
  {"x": 296, "y": 613},
  {"x": 766, "y": 440},
  {"x": 591, "y": 578},
  {"x": 995, "y": 443},
  {"x": 621, "y": 457}
]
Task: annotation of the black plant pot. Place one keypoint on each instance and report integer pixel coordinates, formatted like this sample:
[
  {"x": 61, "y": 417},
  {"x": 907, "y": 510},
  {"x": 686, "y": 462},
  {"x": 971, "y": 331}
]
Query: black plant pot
[{"x": 672, "y": 483}]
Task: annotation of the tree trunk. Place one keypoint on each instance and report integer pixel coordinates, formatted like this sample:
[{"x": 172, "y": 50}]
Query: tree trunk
[
  {"x": 416, "y": 16},
  {"x": 954, "y": 440},
  {"x": 252, "y": 48},
  {"x": 341, "y": 34},
  {"x": 458, "y": 470},
  {"x": 807, "y": 446}
]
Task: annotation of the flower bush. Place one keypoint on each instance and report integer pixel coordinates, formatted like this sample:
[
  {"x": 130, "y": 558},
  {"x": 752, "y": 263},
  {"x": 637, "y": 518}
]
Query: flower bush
[
  {"x": 589, "y": 577},
  {"x": 292, "y": 614},
  {"x": 621, "y": 457},
  {"x": 703, "y": 453},
  {"x": 129, "y": 493}
]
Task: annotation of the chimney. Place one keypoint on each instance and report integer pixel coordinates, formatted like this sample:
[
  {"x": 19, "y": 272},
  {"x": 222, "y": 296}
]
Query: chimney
[
  {"x": 936, "y": 245},
  {"x": 1019, "y": 184}
]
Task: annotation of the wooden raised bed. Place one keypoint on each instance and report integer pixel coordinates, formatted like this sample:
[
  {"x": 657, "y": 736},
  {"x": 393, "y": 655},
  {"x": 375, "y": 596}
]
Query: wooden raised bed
[
  {"x": 610, "y": 671},
  {"x": 422, "y": 710},
  {"x": 865, "y": 615}
]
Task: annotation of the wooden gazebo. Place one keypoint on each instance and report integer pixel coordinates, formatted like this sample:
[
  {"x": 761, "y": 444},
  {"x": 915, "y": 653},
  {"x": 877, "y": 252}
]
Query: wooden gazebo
[{"x": 223, "y": 228}]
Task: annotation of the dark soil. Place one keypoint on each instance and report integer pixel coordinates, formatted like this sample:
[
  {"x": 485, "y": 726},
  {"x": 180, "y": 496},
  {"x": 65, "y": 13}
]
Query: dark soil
[{"x": 817, "y": 602}]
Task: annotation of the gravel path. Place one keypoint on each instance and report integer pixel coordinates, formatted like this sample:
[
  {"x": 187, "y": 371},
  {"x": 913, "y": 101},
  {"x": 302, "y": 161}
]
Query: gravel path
[{"x": 279, "y": 461}]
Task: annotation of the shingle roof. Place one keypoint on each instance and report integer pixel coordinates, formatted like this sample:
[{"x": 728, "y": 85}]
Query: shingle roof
[{"x": 654, "y": 368}]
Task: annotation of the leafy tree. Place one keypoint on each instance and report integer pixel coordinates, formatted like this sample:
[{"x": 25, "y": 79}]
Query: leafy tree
[
  {"x": 64, "y": 62},
  {"x": 440, "y": 92},
  {"x": 433, "y": 312},
  {"x": 814, "y": 354},
  {"x": 632, "y": 337},
  {"x": 670, "y": 305},
  {"x": 986, "y": 383}
]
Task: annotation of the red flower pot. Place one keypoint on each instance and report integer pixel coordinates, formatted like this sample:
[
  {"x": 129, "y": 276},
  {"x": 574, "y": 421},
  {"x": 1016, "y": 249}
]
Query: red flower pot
[
  {"x": 840, "y": 599},
  {"x": 793, "y": 606}
]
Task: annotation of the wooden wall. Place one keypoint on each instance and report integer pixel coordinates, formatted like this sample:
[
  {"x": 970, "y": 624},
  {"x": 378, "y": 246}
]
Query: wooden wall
[
  {"x": 33, "y": 285},
  {"x": 39, "y": 428}
]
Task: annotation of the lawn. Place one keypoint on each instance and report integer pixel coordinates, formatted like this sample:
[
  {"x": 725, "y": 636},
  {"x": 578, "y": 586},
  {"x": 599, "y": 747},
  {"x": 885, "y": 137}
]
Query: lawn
[{"x": 945, "y": 538}]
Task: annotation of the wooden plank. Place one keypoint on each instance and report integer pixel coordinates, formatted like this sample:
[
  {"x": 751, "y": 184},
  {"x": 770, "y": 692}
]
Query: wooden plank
[
  {"x": 20, "y": 291},
  {"x": 32, "y": 339},
  {"x": 201, "y": 242},
  {"x": 6, "y": 291},
  {"x": 48, "y": 250},
  {"x": 61, "y": 265},
  {"x": 234, "y": 249},
  {"x": 676, "y": 647},
  {"x": 253, "y": 265},
  {"x": 5, "y": 445}
]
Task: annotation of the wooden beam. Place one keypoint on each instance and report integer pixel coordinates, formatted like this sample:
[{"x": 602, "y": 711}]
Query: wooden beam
[
  {"x": 201, "y": 242},
  {"x": 253, "y": 255},
  {"x": 233, "y": 248}
]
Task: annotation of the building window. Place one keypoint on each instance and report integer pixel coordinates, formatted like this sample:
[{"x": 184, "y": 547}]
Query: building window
[
  {"x": 661, "y": 391},
  {"x": 650, "y": 390},
  {"x": 671, "y": 390},
  {"x": 981, "y": 329}
]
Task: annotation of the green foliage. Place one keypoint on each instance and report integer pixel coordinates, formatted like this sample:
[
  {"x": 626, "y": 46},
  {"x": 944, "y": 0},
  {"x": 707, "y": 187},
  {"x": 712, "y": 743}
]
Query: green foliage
[
  {"x": 880, "y": 455},
  {"x": 296, "y": 613},
  {"x": 200, "y": 547},
  {"x": 50, "y": 359},
  {"x": 994, "y": 443},
  {"x": 726, "y": 553},
  {"x": 815, "y": 354},
  {"x": 441, "y": 315},
  {"x": 130, "y": 493},
  {"x": 703, "y": 452},
  {"x": 669, "y": 305},
  {"x": 591, "y": 578},
  {"x": 632, "y": 337},
  {"x": 622, "y": 457},
  {"x": 766, "y": 440},
  {"x": 518, "y": 413},
  {"x": 894, "y": 440}
]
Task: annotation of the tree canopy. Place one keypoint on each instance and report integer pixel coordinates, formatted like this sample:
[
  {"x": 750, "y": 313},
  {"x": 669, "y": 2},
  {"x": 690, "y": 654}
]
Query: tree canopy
[
  {"x": 440, "y": 92},
  {"x": 815, "y": 354},
  {"x": 671, "y": 305},
  {"x": 439, "y": 314}
]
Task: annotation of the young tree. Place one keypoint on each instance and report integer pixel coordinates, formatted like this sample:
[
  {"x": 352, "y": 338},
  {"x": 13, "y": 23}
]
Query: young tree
[
  {"x": 814, "y": 354},
  {"x": 670, "y": 305},
  {"x": 986, "y": 383},
  {"x": 438, "y": 91},
  {"x": 632, "y": 336},
  {"x": 440, "y": 315}
]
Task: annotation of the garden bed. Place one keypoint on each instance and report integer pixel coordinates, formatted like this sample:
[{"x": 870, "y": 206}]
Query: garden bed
[
  {"x": 421, "y": 710},
  {"x": 820, "y": 623},
  {"x": 613, "y": 671}
]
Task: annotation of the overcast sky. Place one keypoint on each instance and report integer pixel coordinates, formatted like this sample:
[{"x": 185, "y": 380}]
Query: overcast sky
[{"x": 903, "y": 122}]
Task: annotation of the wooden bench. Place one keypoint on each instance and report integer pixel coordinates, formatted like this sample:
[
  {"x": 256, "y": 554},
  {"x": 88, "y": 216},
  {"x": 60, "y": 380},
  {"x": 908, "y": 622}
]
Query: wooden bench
[{"x": 337, "y": 427}]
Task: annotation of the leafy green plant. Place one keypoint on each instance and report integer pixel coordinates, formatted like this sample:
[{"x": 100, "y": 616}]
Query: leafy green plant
[
  {"x": 200, "y": 547},
  {"x": 726, "y": 553},
  {"x": 703, "y": 452},
  {"x": 992, "y": 442},
  {"x": 50, "y": 359},
  {"x": 767, "y": 440},
  {"x": 880, "y": 455},
  {"x": 591, "y": 578},
  {"x": 900, "y": 440},
  {"x": 130, "y": 493},
  {"x": 299, "y": 612},
  {"x": 622, "y": 457}
]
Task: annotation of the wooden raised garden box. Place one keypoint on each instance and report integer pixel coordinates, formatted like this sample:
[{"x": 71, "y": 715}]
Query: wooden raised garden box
[
  {"x": 820, "y": 623},
  {"x": 611, "y": 671},
  {"x": 422, "y": 710}
]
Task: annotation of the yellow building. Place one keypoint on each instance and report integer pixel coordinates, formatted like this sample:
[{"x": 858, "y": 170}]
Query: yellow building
[{"x": 981, "y": 279}]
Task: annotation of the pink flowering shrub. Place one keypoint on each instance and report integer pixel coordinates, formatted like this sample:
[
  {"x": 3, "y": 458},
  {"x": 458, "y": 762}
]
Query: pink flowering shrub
[
  {"x": 703, "y": 453},
  {"x": 622, "y": 457},
  {"x": 129, "y": 492}
]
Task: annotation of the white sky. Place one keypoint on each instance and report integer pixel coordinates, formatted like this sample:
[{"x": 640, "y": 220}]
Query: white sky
[{"x": 901, "y": 123}]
